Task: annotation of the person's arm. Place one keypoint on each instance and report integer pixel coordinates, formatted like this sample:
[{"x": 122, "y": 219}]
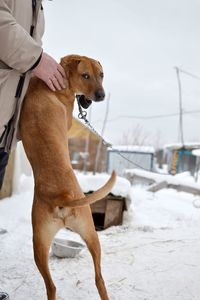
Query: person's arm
[
  {"x": 50, "y": 72},
  {"x": 17, "y": 48},
  {"x": 20, "y": 51}
]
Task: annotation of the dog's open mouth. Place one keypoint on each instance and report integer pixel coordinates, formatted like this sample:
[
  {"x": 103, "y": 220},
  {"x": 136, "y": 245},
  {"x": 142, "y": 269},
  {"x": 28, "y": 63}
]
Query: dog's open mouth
[{"x": 84, "y": 102}]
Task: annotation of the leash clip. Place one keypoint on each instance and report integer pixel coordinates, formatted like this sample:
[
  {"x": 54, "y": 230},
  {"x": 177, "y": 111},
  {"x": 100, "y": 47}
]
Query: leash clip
[{"x": 82, "y": 114}]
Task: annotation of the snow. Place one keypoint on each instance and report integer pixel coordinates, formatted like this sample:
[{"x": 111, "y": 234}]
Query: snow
[
  {"x": 154, "y": 255},
  {"x": 180, "y": 179},
  {"x": 179, "y": 145},
  {"x": 133, "y": 148},
  {"x": 196, "y": 152},
  {"x": 92, "y": 182}
]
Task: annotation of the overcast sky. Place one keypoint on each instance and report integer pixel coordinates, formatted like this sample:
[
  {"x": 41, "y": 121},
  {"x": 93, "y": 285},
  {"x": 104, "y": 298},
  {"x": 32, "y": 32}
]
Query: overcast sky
[{"x": 138, "y": 44}]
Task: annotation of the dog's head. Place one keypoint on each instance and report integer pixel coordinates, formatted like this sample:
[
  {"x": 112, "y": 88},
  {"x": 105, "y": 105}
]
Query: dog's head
[{"x": 85, "y": 76}]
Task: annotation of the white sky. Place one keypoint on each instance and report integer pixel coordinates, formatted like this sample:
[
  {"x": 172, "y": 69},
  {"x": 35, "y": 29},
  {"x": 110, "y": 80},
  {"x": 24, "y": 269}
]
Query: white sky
[{"x": 138, "y": 44}]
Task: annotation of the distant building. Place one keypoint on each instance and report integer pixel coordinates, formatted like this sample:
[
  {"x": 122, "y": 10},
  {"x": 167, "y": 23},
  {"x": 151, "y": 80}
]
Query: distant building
[
  {"x": 180, "y": 158},
  {"x": 135, "y": 157},
  {"x": 83, "y": 146}
]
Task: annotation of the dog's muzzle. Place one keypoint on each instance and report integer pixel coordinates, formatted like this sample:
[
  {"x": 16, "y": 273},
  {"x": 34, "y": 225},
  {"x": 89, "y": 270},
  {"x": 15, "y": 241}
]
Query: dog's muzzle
[
  {"x": 99, "y": 95},
  {"x": 85, "y": 102}
]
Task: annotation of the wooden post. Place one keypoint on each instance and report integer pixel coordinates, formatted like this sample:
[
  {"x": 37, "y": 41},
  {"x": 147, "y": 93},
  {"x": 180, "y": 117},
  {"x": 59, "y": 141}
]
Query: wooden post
[{"x": 114, "y": 213}]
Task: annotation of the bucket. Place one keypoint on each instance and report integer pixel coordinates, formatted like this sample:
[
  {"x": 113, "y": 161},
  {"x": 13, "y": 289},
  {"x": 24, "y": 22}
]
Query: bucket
[{"x": 66, "y": 248}]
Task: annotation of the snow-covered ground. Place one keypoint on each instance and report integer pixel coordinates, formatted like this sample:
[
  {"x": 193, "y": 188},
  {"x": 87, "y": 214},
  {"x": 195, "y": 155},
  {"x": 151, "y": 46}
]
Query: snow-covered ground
[{"x": 153, "y": 255}]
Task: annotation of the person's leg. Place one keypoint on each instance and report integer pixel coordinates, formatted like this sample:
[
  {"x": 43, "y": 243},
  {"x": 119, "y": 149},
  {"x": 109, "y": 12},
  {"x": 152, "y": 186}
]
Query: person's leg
[
  {"x": 3, "y": 163},
  {"x": 4, "y": 296}
]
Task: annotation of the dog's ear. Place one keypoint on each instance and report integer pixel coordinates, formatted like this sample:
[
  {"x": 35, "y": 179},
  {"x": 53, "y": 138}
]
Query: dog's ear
[
  {"x": 99, "y": 63},
  {"x": 77, "y": 61},
  {"x": 69, "y": 63},
  {"x": 70, "y": 60}
]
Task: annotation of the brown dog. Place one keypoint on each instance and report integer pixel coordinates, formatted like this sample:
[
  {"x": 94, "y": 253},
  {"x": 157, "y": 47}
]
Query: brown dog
[{"x": 59, "y": 201}]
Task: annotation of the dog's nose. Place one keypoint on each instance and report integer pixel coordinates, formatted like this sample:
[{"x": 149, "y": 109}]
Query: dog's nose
[{"x": 99, "y": 95}]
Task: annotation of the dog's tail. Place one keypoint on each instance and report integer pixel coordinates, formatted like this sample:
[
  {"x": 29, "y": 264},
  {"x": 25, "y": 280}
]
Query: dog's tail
[{"x": 64, "y": 200}]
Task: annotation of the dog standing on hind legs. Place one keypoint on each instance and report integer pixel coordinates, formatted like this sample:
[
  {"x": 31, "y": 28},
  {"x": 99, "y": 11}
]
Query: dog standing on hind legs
[{"x": 59, "y": 202}]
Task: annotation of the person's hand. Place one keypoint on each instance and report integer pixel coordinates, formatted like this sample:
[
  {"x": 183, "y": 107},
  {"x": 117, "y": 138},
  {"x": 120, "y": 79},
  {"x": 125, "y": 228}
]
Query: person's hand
[{"x": 51, "y": 73}]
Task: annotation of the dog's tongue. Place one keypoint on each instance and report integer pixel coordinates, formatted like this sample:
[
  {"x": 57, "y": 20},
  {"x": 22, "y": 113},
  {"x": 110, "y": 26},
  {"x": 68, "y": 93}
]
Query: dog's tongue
[{"x": 84, "y": 102}]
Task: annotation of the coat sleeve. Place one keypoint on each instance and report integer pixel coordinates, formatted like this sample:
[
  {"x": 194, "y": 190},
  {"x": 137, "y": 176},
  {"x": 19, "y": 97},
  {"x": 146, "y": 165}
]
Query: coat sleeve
[{"x": 18, "y": 49}]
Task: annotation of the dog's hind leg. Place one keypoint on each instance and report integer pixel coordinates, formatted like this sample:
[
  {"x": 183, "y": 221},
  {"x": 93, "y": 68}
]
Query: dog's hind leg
[
  {"x": 93, "y": 245},
  {"x": 44, "y": 229},
  {"x": 83, "y": 224}
]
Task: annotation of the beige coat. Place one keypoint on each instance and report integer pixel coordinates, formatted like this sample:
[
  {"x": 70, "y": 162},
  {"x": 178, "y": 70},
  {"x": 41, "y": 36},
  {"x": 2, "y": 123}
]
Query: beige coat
[{"x": 18, "y": 53}]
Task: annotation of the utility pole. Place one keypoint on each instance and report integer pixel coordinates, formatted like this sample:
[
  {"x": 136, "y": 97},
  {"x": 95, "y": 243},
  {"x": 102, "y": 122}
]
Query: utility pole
[
  {"x": 180, "y": 106},
  {"x": 102, "y": 133},
  {"x": 178, "y": 71},
  {"x": 87, "y": 142}
]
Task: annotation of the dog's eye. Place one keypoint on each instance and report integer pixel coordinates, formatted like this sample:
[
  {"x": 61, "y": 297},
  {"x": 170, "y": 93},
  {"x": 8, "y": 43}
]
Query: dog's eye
[
  {"x": 101, "y": 75},
  {"x": 86, "y": 76}
]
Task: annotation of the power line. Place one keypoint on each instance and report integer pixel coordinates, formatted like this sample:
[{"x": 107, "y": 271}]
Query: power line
[
  {"x": 160, "y": 116},
  {"x": 189, "y": 112},
  {"x": 189, "y": 74}
]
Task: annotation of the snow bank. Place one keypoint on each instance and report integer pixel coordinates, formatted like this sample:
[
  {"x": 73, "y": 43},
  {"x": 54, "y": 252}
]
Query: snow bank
[
  {"x": 90, "y": 183},
  {"x": 182, "y": 178},
  {"x": 179, "y": 145},
  {"x": 153, "y": 255},
  {"x": 164, "y": 209}
]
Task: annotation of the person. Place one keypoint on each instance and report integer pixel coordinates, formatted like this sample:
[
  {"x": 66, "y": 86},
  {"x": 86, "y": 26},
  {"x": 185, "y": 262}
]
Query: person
[{"x": 21, "y": 56}]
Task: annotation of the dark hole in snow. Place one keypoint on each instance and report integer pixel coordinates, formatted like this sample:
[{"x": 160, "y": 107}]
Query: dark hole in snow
[{"x": 98, "y": 219}]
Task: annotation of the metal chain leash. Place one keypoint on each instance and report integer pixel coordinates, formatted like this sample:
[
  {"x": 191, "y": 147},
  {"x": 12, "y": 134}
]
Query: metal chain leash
[{"x": 82, "y": 115}]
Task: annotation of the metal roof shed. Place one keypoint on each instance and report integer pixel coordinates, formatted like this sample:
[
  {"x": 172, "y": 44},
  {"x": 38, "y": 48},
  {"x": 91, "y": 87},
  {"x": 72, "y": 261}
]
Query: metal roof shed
[
  {"x": 141, "y": 156},
  {"x": 181, "y": 158}
]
